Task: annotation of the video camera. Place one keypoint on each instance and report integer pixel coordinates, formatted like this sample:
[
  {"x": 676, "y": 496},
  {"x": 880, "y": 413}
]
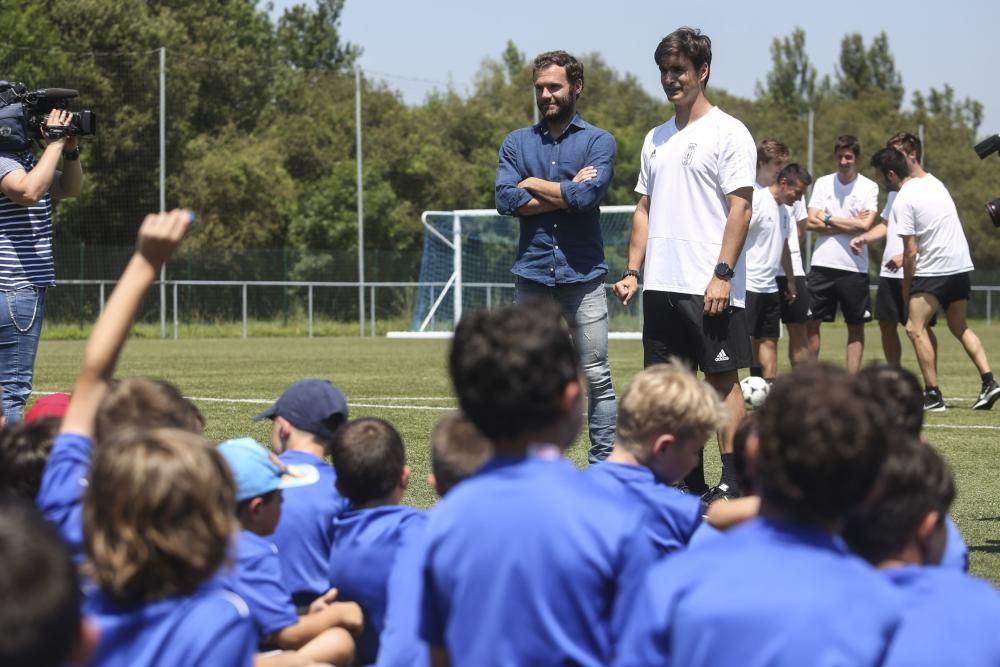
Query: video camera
[
  {"x": 984, "y": 149},
  {"x": 23, "y": 115}
]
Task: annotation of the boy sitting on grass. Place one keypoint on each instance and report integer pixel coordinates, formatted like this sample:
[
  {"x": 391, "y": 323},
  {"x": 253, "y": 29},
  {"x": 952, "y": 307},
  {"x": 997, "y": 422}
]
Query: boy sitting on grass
[
  {"x": 665, "y": 416},
  {"x": 324, "y": 634},
  {"x": 372, "y": 474},
  {"x": 152, "y": 511},
  {"x": 305, "y": 417},
  {"x": 458, "y": 450},
  {"x": 949, "y": 617},
  {"x": 100, "y": 406}
]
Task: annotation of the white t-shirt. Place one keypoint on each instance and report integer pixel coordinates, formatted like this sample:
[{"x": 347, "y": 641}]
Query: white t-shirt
[
  {"x": 842, "y": 201},
  {"x": 687, "y": 175},
  {"x": 796, "y": 212},
  {"x": 769, "y": 227},
  {"x": 893, "y": 244},
  {"x": 923, "y": 207}
]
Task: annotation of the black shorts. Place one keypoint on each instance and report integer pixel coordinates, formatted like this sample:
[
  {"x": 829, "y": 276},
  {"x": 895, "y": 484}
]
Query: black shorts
[
  {"x": 946, "y": 289},
  {"x": 674, "y": 325},
  {"x": 829, "y": 288},
  {"x": 889, "y": 306},
  {"x": 763, "y": 313},
  {"x": 797, "y": 311}
]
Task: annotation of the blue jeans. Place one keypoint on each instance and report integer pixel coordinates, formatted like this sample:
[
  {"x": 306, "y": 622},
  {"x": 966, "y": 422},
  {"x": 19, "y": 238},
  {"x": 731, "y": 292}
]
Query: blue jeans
[
  {"x": 21, "y": 314},
  {"x": 586, "y": 304}
]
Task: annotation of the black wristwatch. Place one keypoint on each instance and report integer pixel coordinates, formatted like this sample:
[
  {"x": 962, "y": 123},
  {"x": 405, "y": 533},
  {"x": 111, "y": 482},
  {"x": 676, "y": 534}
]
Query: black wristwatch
[
  {"x": 72, "y": 155},
  {"x": 723, "y": 271},
  {"x": 630, "y": 273}
]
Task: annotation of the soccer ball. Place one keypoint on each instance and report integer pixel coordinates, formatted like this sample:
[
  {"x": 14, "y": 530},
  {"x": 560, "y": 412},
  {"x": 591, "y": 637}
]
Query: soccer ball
[{"x": 754, "y": 391}]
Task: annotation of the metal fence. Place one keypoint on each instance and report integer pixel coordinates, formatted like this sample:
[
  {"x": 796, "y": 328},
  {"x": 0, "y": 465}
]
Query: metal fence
[{"x": 244, "y": 302}]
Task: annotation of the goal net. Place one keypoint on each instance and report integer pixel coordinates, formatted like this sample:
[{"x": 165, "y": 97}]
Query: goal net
[{"x": 466, "y": 263}]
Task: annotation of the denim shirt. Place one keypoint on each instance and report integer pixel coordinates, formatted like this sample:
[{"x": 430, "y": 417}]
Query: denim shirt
[{"x": 562, "y": 246}]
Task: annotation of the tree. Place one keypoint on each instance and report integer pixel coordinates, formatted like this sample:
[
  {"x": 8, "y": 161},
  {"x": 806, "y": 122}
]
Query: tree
[
  {"x": 309, "y": 39},
  {"x": 863, "y": 71},
  {"x": 791, "y": 83}
]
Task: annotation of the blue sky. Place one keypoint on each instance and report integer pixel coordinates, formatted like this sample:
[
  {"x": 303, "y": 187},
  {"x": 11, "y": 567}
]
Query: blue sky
[{"x": 417, "y": 45}]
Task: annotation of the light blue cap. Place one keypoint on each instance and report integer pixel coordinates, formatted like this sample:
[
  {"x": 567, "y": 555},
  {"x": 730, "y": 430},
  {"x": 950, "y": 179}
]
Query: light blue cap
[{"x": 258, "y": 472}]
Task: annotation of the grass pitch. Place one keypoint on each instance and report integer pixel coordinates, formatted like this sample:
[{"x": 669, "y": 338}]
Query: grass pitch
[{"x": 406, "y": 383}]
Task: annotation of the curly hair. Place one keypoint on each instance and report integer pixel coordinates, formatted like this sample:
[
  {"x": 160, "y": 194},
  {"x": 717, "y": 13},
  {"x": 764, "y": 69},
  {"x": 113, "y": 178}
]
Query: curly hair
[
  {"x": 510, "y": 367},
  {"x": 573, "y": 67},
  {"x": 821, "y": 443},
  {"x": 913, "y": 482}
]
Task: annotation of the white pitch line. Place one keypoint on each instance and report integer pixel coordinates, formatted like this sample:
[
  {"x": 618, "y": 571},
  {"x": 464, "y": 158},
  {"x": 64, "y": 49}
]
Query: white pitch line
[
  {"x": 978, "y": 427},
  {"x": 259, "y": 401}
]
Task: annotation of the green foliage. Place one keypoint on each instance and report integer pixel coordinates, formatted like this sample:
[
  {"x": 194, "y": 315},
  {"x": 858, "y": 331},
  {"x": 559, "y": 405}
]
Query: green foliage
[
  {"x": 791, "y": 83},
  {"x": 261, "y": 136}
]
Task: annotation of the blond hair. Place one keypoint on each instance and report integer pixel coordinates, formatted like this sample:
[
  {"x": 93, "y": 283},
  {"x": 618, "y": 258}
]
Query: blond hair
[
  {"x": 667, "y": 398},
  {"x": 158, "y": 514},
  {"x": 771, "y": 149}
]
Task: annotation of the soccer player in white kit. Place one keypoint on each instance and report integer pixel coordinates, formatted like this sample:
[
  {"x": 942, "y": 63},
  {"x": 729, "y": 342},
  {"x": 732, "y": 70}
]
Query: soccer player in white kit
[
  {"x": 842, "y": 206},
  {"x": 936, "y": 272},
  {"x": 696, "y": 187},
  {"x": 771, "y": 226},
  {"x": 890, "y": 310}
]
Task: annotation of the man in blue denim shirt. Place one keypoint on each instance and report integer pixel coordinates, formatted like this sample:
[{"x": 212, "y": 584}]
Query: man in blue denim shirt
[{"x": 552, "y": 176}]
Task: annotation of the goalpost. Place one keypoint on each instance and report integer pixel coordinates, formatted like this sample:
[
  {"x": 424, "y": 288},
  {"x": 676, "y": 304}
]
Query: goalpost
[{"x": 466, "y": 264}]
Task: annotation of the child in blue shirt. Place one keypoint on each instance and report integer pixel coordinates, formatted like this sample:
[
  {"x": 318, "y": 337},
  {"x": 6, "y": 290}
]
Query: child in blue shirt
[
  {"x": 152, "y": 512},
  {"x": 458, "y": 449},
  {"x": 780, "y": 589},
  {"x": 526, "y": 561},
  {"x": 100, "y": 405},
  {"x": 372, "y": 474},
  {"x": 305, "y": 417},
  {"x": 949, "y": 618},
  {"x": 665, "y": 416},
  {"x": 158, "y": 526},
  {"x": 323, "y": 634}
]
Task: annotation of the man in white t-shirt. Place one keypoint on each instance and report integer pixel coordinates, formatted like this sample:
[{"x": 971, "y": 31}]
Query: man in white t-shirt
[
  {"x": 771, "y": 157},
  {"x": 766, "y": 250},
  {"x": 696, "y": 187},
  {"x": 890, "y": 310},
  {"x": 843, "y": 205},
  {"x": 936, "y": 272}
]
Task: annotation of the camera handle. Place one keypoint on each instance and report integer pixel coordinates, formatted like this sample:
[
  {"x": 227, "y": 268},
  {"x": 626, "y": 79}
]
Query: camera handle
[{"x": 59, "y": 131}]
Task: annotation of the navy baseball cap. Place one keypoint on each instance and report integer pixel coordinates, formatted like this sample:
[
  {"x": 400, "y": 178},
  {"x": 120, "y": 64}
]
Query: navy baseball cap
[{"x": 313, "y": 405}]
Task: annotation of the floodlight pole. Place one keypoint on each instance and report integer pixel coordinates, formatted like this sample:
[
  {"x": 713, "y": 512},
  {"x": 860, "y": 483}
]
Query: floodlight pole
[
  {"x": 361, "y": 204},
  {"x": 163, "y": 183}
]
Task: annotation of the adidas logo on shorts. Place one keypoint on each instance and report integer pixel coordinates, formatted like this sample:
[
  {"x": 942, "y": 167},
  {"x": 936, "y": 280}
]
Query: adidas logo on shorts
[{"x": 722, "y": 356}]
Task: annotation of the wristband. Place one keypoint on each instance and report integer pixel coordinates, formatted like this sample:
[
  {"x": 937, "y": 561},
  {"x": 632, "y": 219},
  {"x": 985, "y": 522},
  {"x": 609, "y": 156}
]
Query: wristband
[
  {"x": 630, "y": 273},
  {"x": 827, "y": 218},
  {"x": 72, "y": 155}
]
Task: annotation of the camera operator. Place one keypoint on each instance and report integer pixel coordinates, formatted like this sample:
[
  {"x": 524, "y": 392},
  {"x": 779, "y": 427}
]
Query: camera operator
[{"x": 27, "y": 186}]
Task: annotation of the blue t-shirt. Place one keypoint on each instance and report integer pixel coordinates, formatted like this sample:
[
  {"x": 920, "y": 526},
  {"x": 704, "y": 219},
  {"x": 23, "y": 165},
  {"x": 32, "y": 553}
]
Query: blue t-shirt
[
  {"x": 210, "y": 627},
  {"x": 25, "y": 233},
  {"x": 673, "y": 515},
  {"x": 565, "y": 245},
  {"x": 526, "y": 561},
  {"x": 64, "y": 481},
  {"x": 364, "y": 550},
  {"x": 949, "y": 618},
  {"x": 256, "y": 577},
  {"x": 305, "y": 532},
  {"x": 956, "y": 551},
  {"x": 400, "y": 644},
  {"x": 767, "y": 593}
]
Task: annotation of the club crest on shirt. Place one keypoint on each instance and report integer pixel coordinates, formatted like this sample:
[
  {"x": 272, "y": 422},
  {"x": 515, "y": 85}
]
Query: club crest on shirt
[{"x": 689, "y": 154}]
